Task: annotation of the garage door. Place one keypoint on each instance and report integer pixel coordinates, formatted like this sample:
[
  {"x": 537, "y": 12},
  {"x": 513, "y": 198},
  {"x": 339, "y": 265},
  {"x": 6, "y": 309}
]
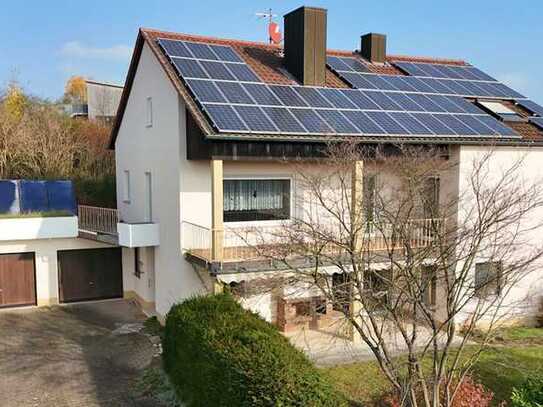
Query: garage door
[
  {"x": 90, "y": 274},
  {"x": 17, "y": 279}
]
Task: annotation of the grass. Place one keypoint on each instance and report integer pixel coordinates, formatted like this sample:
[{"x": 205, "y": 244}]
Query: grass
[
  {"x": 500, "y": 368},
  {"x": 48, "y": 214}
]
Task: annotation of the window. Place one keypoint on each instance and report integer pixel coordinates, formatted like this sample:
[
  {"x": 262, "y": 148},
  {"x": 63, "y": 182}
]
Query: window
[
  {"x": 342, "y": 288},
  {"x": 499, "y": 109},
  {"x": 138, "y": 263},
  {"x": 256, "y": 199},
  {"x": 126, "y": 186},
  {"x": 377, "y": 285},
  {"x": 488, "y": 278},
  {"x": 429, "y": 285},
  {"x": 148, "y": 197},
  {"x": 430, "y": 197},
  {"x": 149, "y": 112}
]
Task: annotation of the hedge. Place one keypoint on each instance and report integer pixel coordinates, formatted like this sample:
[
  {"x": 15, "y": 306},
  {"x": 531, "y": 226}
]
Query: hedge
[{"x": 218, "y": 354}]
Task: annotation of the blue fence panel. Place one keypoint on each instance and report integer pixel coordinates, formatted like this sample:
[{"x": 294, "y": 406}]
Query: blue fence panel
[
  {"x": 9, "y": 196},
  {"x": 33, "y": 196},
  {"x": 61, "y": 196}
]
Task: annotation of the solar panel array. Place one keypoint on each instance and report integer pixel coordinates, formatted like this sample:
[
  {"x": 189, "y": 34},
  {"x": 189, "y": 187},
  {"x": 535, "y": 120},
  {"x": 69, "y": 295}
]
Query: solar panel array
[
  {"x": 531, "y": 106},
  {"x": 538, "y": 121},
  {"x": 241, "y": 103},
  {"x": 444, "y": 71}
]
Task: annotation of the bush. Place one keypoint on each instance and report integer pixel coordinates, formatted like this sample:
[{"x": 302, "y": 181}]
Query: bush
[
  {"x": 218, "y": 354},
  {"x": 529, "y": 394}
]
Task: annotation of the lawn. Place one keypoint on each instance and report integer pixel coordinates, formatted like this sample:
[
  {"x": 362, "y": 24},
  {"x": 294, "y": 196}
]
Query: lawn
[{"x": 500, "y": 368}]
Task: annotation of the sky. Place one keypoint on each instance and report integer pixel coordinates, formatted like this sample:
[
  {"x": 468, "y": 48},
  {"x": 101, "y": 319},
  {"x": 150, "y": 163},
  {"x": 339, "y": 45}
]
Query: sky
[{"x": 45, "y": 42}]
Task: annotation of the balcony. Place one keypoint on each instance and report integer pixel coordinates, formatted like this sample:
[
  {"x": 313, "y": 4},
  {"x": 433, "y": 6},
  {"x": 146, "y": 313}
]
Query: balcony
[
  {"x": 235, "y": 245},
  {"x": 98, "y": 224}
]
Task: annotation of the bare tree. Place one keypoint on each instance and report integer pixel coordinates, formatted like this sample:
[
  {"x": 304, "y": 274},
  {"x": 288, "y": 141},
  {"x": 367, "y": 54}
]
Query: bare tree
[{"x": 403, "y": 254}]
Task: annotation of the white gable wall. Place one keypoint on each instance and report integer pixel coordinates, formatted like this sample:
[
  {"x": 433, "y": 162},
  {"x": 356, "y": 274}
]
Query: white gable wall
[{"x": 158, "y": 149}]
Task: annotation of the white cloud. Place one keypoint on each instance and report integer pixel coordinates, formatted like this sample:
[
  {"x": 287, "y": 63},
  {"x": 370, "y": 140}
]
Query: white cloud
[{"x": 78, "y": 50}]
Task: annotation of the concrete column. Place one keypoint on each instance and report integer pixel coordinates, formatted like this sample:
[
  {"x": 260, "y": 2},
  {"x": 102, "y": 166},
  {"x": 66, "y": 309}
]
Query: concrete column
[
  {"x": 217, "y": 226},
  {"x": 357, "y": 192}
]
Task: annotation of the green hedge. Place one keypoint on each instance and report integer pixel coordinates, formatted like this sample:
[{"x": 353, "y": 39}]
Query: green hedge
[
  {"x": 218, "y": 354},
  {"x": 529, "y": 394}
]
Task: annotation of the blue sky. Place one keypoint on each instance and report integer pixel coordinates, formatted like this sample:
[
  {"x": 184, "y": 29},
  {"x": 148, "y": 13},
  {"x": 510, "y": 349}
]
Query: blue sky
[{"x": 43, "y": 43}]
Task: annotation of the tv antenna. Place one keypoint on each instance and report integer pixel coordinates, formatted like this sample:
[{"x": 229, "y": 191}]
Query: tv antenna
[{"x": 274, "y": 35}]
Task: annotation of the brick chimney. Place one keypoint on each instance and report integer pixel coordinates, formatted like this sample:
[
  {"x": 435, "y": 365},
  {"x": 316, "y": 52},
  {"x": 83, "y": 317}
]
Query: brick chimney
[
  {"x": 305, "y": 45},
  {"x": 373, "y": 47}
]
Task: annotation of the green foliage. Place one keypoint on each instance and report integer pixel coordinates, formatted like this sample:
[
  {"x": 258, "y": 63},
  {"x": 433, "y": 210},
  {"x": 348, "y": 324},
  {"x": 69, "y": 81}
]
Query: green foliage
[
  {"x": 529, "y": 394},
  {"x": 152, "y": 326},
  {"x": 218, "y": 354},
  {"x": 96, "y": 191}
]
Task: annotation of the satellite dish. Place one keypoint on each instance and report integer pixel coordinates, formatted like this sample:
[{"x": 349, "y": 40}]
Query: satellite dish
[{"x": 275, "y": 33}]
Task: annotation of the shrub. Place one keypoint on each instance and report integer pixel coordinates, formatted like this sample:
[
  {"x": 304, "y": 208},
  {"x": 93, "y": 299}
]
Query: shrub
[
  {"x": 218, "y": 354},
  {"x": 529, "y": 394}
]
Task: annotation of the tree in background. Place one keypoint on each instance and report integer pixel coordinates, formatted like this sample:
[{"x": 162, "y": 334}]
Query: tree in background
[
  {"x": 75, "y": 90},
  {"x": 39, "y": 142}
]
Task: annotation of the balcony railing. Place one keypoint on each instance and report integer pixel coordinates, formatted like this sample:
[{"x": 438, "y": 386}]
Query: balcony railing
[
  {"x": 242, "y": 244},
  {"x": 98, "y": 220}
]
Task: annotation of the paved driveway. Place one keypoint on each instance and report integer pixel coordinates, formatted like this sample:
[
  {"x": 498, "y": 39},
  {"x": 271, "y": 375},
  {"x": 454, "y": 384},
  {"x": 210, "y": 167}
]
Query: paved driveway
[{"x": 78, "y": 355}]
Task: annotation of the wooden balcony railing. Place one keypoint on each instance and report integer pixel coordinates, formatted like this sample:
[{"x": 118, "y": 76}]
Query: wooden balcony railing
[
  {"x": 98, "y": 220},
  {"x": 241, "y": 244}
]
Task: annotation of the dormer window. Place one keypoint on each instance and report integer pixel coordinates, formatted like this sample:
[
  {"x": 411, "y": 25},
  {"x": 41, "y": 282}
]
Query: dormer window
[{"x": 501, "y": 110}]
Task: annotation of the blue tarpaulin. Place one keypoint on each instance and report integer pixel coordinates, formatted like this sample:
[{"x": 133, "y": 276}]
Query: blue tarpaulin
[{"x": 21, "y": 196}]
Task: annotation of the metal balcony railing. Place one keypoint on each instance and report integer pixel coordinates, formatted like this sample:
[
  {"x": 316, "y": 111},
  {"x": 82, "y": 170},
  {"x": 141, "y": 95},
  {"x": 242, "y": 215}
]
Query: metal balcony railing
[{"x": 98, "y": 220}]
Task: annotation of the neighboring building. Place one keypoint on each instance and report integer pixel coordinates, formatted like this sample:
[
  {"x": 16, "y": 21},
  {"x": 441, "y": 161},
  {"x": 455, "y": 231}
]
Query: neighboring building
[
  {"x": 102, "y": 102},
  {"x": 43, "y": 261},
  {"x": 203, "y": 119}
]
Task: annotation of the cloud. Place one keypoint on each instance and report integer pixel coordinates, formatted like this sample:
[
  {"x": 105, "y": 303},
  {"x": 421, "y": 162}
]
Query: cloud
[{"x": 77, "y": 50}]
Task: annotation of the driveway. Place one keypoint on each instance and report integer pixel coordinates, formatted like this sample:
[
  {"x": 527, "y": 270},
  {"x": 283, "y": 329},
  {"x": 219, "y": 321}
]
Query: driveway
[{"x": 89, "y": 354}]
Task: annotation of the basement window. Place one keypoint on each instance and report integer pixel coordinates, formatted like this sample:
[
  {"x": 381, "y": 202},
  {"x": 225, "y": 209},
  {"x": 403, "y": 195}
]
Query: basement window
[
  {"x": 500, "y": 110},
  {"x": 246, "y": 200}
]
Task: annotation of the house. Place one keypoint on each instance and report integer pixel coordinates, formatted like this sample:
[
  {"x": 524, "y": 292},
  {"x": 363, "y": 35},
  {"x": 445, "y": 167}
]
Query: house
[
  {"x": 204, "y": 122},
  {"x": 102, "y": 101}
]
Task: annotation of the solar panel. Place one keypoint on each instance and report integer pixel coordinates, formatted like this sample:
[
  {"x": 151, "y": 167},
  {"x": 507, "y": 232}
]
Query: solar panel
[
  {"x": 205, "y": 91},
  {"x": 410, "y": 68},
  {"x": 498, "y": 127},
  {"x": 388, "y": 124},
  {"x": 284, "y": 120},
  {"x": 337, "y": 121},
  {"x": 455, "y": 125},
  {"x": 217, "y": 70},
  {"x": 531, "y": 106},
  {"x": 234, "y": 92},
  {"x": 466, "y": 106},
  {"x": 538, "y": 121},
  {"x": 255, "y": 119},
  {"x": 243, "y": 73},
  {"x": 337, "y": 64},
  {"x": 312, "y": 96},
  {"x": 382, "y": 100},
  {"x": 174, "y": 48},
  {"x": 189, "y": 68},
  {"x": 358, "y": 81},
  {"x": 360, "y": 100},
  {"x": 444, "y": 71},
  {"x": 311, "y": 121},
  {"x": 336, "y": 98},
  {"x": 447, "y": 104},
  {"x": 287, "y": 95},
  {"x": 354, "y": 64},
  {"x": 363, "y": 122},
  {"x": 225, "y": 118},
  {"x": 200, "y": 50},
  {"x": 420, "y": 85},
  {"x": 475, "y": 124},
  {"x": 410, "y": 123},
  {"x": 430, "y": 121},
  {"x": 427, "y": 102},
  {"x": 405, "y": 102},
  {"x": 400, "y": 83},
  {"x": 261, "y": 94},
  {"x": 225, "y": 53}
]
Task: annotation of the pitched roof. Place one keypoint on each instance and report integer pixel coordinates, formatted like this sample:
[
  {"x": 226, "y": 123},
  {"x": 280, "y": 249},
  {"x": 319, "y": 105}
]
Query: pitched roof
[{"x": 266, "y": 61}]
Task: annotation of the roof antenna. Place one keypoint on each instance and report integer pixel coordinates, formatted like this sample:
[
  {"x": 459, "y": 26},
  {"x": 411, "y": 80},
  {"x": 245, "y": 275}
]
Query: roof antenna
[{"x": 274, "y": 32}]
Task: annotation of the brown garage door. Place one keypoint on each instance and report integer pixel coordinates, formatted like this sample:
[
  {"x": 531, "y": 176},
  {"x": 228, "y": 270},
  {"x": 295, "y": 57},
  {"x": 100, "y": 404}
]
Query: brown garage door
[
  {"x": 17, "y": 279},
  {"x": 90, "y": 274}
]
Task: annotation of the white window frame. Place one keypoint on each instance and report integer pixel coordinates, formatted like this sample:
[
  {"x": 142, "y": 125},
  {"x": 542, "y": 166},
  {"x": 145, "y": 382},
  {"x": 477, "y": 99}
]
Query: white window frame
[
  {"x": 263, "y": 222},
  {"x": 149, "y": 112},
  {"x": 126, "y": 187}
]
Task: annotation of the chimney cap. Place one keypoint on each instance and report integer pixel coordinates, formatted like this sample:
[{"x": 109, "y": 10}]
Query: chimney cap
[
  {"x": 373, "y": 47},
  {"x": 306, "y": 8}
]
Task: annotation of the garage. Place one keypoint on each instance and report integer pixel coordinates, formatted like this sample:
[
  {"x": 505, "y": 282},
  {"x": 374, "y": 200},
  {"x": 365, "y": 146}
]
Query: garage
[
  {"x": 17, "y": 279},
  {"x": 90, "y": 274}
]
